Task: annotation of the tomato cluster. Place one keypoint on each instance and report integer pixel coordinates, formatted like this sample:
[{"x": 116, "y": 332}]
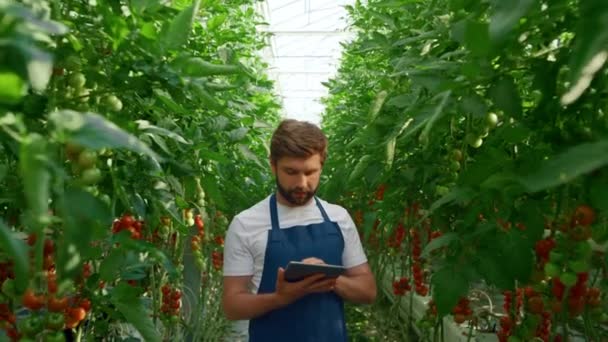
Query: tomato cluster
[
  {"x": 171, "y": 302},
  {"x": 197, "y": 241},
  {"x": 401, "y": 286},
  {"x": 84, "y": 163},
  {"x": 129, "y": 223},
  {"x": 218, "y": 259},
  {"x": 462, "y": 311},
  {"x": 396, "y": 238},
  {"x": 417, "y": 269}
]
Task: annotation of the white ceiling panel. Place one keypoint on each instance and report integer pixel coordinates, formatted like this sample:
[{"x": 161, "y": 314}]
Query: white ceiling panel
[{"x": 304, "y": 50}]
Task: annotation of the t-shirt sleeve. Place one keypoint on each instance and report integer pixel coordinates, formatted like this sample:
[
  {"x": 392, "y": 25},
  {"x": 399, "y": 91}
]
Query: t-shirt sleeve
[
  {"x": 353, "y": 254},
  {"x": 238, "y": 260}
]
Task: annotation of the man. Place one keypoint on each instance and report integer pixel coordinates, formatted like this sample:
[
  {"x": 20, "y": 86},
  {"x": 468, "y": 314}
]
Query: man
[{"x": 294, "y": 225}]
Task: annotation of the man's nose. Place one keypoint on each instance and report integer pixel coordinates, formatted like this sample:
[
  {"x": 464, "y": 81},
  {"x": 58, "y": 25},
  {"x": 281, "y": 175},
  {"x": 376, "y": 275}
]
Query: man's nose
[{"x": 301, "y": 181}]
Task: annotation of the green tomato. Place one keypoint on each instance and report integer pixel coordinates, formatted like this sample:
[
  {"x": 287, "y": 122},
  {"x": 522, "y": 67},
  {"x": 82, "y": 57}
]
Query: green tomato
[
  {"x": 91, "y": 176},
  {"x": 113, "y": 103},
  {"x": 456, "y": 155},
  {"x": 105, "y": 198},
  {"x": 454, "y": 166},
  {"x": 57, "y": 336},
  {"x": 8, "y": 288},
  {"x": 552, "y": 270},
  {"x": 190, "y": 221},
  {"x": 77, "y": 80},
  {"x": 569, "y": 279},
  {"x": 55, "y": 321},
  {"x": 87, "y": 159},
  {"x": 556, "y": 257},
  {"x": 473, "y": 140},
  {"x": 423, "y": 139},
  {"x": 83, "y": 95},
  {"x": 441, "y": 190},
  {"x": 72, "y": 63},
  {"x": 30, "y": 326},
  {"x": 491, "y": 120},
  {"x": 583, "y": 250},
  {"x": 514, "y": 339},
  {"x": 578, "y": 266}
]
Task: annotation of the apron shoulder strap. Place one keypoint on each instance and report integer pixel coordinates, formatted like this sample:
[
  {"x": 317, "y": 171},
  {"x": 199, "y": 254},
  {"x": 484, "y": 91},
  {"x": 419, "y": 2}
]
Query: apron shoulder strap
[
  {"x": 323, "y": 212},
  {"x": 274, "y": 218}
]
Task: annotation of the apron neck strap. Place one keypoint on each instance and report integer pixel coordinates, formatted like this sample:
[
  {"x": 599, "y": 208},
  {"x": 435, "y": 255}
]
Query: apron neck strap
[
  {"x": 274, "y": 217},
  {"x": 325, "y": 217}
]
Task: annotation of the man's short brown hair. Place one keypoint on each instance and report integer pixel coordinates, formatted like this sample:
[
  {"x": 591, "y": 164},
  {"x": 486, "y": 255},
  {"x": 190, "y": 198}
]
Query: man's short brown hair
[{"x": 299, "y": 139}]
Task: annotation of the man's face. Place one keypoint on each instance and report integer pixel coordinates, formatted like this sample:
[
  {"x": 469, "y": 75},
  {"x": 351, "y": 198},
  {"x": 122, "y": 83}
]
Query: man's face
[{"x": 297, "y": 178}]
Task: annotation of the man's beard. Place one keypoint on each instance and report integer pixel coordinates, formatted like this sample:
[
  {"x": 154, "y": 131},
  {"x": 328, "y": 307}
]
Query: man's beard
[{"x": 288, "y": 195}]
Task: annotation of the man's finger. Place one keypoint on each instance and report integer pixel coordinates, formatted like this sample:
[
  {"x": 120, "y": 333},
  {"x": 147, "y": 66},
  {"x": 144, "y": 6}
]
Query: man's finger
[
  {"x": 323, "y": 285},
  {"x": 313, "y": 261},
  {"x": 312, "y": 279}
]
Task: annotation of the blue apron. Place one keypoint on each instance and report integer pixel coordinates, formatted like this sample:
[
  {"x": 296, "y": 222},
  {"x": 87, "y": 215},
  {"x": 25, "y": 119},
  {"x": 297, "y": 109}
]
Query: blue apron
[{"x": 316, "y": 317}]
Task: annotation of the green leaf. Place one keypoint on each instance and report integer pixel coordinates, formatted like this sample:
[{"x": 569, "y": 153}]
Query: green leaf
[
  {"x": 110, "y": 266},
  {"x": 96, "y": 132},
  {"x": 520, "y": 263},
  {"x": 216, "y": 21},
  {"x": 439, "y": 242},
  {"x": 27, "y": 15},
  {"x": 491, "y": 269},
  {"x": 449, "y": 285},
  {"x": 457, "y": 194},
  {"x": 140, "y": 6},
  {"x": 129, "y": 303},
  {"x": 514, "y": 133},
  {"x": 146, "y": 126},
  {"x": 238, "y": 133},
  {"x": 360, "y": 168},
  {"x": 598, "y": 194},
  {"x": 36, "y": 178},
  {"x": 475, "y": 105},
  {"x": 149, "y": 31},
  {"x": 168, "y": 101},
  {"x": 39, "y": 65},
  {"x": 180, "y": 28},
  {"x": 17, "y": 253},
  {"x": 377, "y": 105},
  {"x": 506, "y": 15},
  {"x": 477, "y": 38},
  {"x": 438, "y": 112},
  {"x": 390, "y": 152},
  {"x": 198, "y": 67},
  {"x": 12, "y": 88},
  {"x": 563, "y": 168},
  {"x": 590, "y": 50},
  {"x": 212, "y": 190},
  {"x": 205, "y": 97},
  {"x": 505, "y": 95},
  {"x": 369, "y": 221}
]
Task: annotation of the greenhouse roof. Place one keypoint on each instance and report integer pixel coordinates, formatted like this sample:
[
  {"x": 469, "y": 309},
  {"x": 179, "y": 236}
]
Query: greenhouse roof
[{"x": 304, "y": 50}]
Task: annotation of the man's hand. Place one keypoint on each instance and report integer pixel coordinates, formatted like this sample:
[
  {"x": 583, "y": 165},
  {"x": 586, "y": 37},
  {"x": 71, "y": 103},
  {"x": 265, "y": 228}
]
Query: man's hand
[
  {"x": 315, "y": 261},
  {"x": 289, "y": 292}
]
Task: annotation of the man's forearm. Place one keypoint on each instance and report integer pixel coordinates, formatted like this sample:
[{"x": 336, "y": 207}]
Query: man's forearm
[
  {"x": 358, "y": 289},
  {"x": 248, "y": 305}
]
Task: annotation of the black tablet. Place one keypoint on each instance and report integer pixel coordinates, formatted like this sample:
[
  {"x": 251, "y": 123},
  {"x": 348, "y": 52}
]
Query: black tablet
[{"x": 298, "y": 270}]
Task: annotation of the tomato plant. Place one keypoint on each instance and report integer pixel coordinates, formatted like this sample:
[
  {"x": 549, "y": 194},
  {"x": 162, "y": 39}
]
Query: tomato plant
[
  {"x": 121, "y": 122},
  {"x": 481, "y": 121}
]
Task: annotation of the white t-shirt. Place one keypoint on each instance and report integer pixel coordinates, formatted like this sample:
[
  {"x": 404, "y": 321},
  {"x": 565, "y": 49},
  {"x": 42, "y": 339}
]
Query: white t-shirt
[{"x": 246, "y": 239}]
